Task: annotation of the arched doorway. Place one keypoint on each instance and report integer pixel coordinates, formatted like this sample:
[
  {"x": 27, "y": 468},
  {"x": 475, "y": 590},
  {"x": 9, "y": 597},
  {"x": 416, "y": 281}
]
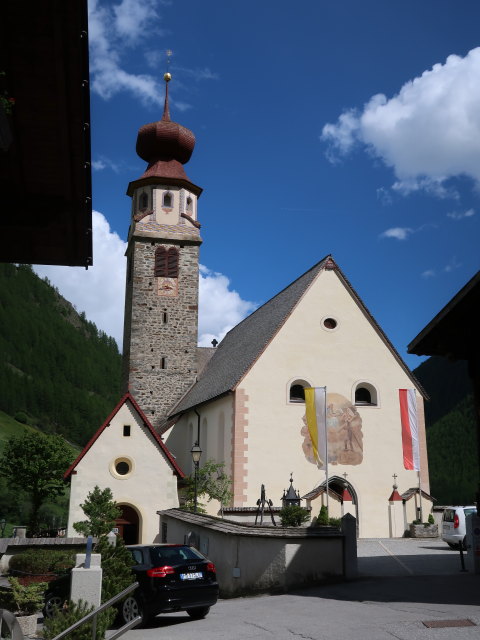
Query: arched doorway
[
  {"x": 128, "y": 524},
  {"x": 336, "y": 488}
]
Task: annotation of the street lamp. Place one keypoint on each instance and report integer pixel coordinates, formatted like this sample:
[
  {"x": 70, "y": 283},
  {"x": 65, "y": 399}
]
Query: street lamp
[{"x": 196, "y": 455}]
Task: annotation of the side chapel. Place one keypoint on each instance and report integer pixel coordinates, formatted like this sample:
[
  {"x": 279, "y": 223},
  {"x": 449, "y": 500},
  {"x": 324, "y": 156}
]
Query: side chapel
[{"x": 243, "y": 401}]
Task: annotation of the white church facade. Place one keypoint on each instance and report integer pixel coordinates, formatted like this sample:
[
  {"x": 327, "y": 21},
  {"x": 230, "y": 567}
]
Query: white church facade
[{"x": 243, "y": 401}]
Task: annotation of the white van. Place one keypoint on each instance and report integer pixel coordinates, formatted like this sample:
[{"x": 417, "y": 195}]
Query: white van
[{"x": 453, "y": 525}]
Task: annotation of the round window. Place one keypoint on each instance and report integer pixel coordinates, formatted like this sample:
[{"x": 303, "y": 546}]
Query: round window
[
  {"x": 330, "y": 323},
  {"x": 122, "y": 468}
]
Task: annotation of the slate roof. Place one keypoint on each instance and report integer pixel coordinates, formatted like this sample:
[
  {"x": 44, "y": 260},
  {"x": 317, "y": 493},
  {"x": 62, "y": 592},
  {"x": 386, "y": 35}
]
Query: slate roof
[{"x": 244, "y": 344}]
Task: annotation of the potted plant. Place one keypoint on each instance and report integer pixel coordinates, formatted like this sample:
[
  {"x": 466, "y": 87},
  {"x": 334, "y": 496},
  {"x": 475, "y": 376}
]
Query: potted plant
[
  {"x": 28, "y": 601},
  {"x": 419, "y": 529}
]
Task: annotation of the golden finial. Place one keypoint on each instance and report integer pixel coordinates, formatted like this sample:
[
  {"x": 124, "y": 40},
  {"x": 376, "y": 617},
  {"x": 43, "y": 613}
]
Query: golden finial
[{"x": 168, "y": 76}]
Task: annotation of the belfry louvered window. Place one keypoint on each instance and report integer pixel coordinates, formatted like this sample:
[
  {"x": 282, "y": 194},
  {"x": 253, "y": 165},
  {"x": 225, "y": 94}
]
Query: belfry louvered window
[
  {"x": 166, "y": 262},
  {"x": 143, "y": 201}
]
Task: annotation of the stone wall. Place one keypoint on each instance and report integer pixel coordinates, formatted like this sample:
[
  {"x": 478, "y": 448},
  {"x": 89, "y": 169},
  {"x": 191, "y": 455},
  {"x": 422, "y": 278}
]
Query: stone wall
[
  {"x": 252, "y": 559},
  {"x": 160, "y": 337}
]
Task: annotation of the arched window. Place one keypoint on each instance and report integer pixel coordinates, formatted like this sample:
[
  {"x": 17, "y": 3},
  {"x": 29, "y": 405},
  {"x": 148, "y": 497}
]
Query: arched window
[
  {"x": 297, "y": 391},
  {"x": 189, "y": 205},
  {"x": 166, "y": 262},
  {"x": 143, "y": 201},
  {"x": 167, "y": 200},
  {"x": 365, "y": 394}
]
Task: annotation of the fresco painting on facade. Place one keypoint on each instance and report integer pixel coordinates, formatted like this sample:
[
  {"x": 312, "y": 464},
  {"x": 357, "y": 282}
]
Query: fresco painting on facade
[{"x": 344, "y": 433}]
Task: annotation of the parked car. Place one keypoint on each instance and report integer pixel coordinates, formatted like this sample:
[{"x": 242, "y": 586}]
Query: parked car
[
  {"x": 171, "y": 577},
  {"x": 57, "y": 593},
  {"x": 454, "y": 527}
]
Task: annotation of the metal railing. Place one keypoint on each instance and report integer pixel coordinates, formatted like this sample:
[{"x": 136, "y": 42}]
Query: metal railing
[{"x": 16, "y": 632}]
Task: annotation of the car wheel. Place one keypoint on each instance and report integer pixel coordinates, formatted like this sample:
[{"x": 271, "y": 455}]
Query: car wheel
[
  {"x": 131, "y": 609},
  {"x": 52, "y": 604},
  {"x": 452, "y": 546},
  {"x": 198, "y": 612},
  {"x": 464, "y": 543}
]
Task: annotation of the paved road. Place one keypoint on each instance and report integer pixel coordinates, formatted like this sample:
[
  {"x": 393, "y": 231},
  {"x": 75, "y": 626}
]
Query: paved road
[
  {"x": 404, "y": 583},
  {"x": 406, "y": 556}
]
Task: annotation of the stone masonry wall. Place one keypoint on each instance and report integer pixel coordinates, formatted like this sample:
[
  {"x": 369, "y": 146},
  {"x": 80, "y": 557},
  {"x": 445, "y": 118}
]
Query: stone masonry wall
[{"x": 148, "y": 338}]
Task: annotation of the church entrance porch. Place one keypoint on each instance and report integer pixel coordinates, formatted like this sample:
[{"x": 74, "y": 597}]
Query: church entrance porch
[
  {"x": 128, "y": 524},
  {"x": 342, "y": 499}
]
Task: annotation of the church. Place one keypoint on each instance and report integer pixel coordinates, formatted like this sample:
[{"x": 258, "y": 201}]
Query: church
[{"x": 243, "y": 401}]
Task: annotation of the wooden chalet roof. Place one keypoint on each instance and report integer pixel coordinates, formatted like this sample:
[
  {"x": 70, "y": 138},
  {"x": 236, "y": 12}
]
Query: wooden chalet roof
[
  {"x": 453, "y": 332},
  {"x": 158, "y": 440}
]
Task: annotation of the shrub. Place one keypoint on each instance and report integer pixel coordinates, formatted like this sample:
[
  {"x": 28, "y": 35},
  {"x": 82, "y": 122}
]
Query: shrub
[
  {"x": 334, "y": 522},
  {"x": 323, "y": 516},
  {"x": 21, "y": 416},
  {"x": 293, "y": 516},
  {"x": 27, "y": 599},
  {"x": 73, "y": 612},
  {"x": 431, "y": 519},
  {"x": 42, "y": 561}
]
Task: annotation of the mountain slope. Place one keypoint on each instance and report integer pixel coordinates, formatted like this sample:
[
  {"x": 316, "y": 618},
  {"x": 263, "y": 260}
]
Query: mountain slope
[
  {"x": 451, "y": 430},
  {"x": 57, "y": 370}
]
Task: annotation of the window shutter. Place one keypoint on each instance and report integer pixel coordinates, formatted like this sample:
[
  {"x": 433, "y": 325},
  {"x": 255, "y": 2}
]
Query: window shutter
[
  {"x": 160, "y": 261},
  {"x": 172, "y": 263}
]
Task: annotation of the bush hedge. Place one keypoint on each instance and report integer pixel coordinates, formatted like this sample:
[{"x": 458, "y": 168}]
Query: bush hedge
[{"x": 39, "y": 562}]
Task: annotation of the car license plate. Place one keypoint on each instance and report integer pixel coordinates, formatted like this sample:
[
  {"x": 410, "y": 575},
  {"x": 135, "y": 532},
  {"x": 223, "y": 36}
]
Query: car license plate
[{"x": 191, "y": 576}]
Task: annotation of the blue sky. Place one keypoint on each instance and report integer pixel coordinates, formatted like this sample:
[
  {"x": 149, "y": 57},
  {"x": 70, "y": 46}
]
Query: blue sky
[{"x": 322, "y": 127}]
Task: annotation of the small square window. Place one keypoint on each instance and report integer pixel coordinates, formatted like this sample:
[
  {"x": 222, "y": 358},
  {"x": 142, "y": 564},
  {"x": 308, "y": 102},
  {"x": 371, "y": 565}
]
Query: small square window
[{"x": 126, "y": 429}]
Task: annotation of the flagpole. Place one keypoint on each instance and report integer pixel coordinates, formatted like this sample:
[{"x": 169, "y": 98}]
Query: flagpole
[
  {"x": 420, "y": 492},
  {"x": 326, "y": 449}
]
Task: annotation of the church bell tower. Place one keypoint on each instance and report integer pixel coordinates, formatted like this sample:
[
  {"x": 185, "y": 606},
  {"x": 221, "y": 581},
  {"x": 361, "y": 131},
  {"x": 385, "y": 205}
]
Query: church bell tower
[{"x": 161, "y": 299}]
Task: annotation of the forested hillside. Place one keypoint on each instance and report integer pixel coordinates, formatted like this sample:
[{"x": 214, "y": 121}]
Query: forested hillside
[
  {"x": 57, "y": 370},
  {"x": 451, "y": 430},
  {"x": 447, "y": 383}
]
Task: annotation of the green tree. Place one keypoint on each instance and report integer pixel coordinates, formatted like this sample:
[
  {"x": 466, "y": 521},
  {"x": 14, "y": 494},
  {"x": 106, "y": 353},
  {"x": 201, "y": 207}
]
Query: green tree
[
  {"x": 35, "y": 463},
  {"x": 101, "y": 511},
  {"x": 212, "y": 483},
  {"x": 293, "y": 515}
]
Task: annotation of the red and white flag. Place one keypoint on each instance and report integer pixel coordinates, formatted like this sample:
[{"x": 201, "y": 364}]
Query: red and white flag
[{"x": 408, "y": 414}]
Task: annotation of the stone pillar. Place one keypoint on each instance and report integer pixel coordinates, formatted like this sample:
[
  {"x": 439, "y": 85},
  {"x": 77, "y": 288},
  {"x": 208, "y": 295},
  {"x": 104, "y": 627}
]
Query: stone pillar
[
  {"x": 349, "y": 530},
  {"x": 473, "y": 543},
  {"x": 86, "y": 584},
  {"x": 396, "y": 516}
]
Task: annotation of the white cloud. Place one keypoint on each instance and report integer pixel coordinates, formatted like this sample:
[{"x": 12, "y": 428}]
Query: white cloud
[
  {"x": 452, "y": 265},
  {"x": 102, "y": 162},
  {"x": 100, "y": 290},
  {"x": 459, "y": 215},
  {"x": 429, "y": 273},
  {"x": 220, "y": 308},
  {"x": 384, "y": 196},
  {"x": 400, "y": 233},
  {"x": 428, "y": 132},
  {"x": 114, "y": 32}
]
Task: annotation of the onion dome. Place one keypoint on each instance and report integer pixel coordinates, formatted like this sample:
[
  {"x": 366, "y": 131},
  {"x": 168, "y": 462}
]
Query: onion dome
[{"x": 165, "y": 145}]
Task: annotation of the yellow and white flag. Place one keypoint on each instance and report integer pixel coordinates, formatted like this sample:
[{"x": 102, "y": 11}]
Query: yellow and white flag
[{"x": 315, "y": 407}]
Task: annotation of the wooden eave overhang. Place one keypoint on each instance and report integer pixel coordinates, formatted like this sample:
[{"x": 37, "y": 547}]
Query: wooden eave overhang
[
  {"x": 453, "y": 332},
  {"x": 45, "y": 172},
  {"x": 176, "y": 182}
]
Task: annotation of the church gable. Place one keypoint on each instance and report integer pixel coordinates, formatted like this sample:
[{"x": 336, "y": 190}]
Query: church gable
[
  {"x": 327, "y": 340},
  {"x": 125, "y": 431},
  {"x": 330, "y": 329}
]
